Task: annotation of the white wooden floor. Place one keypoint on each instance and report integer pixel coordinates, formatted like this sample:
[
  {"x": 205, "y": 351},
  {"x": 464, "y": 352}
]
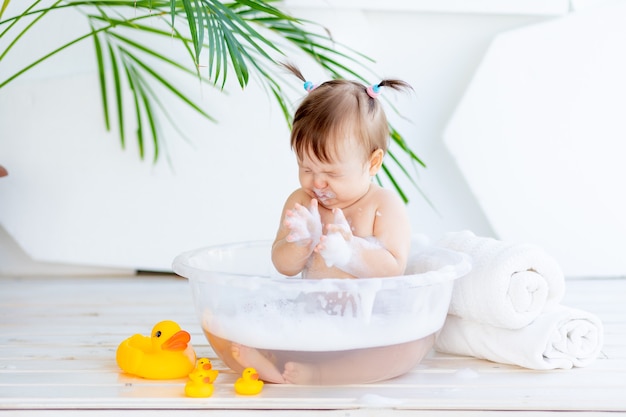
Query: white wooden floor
[{"x": 57, "y": 357}]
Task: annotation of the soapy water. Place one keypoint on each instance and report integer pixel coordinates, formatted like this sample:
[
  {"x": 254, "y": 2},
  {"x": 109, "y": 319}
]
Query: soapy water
[
  {"x": 327, "y": 321},
  {"x": 405, "y": 356},
  {"x": 240, "y": 297}
]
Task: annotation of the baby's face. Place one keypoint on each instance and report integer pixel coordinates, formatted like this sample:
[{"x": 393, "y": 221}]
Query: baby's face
[{"x": 337, "y": 183}]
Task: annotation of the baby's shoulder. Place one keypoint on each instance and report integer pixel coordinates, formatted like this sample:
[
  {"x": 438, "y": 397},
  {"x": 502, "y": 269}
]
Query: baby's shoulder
[
  {"x": 384, "y": 197},
  {"x": 298, "y": 196}
]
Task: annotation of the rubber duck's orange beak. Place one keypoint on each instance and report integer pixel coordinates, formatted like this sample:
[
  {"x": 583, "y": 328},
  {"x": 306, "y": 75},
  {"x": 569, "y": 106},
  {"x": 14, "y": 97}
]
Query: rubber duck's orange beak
[
  {"x": 254, "y": 377},
  {"x": 177, "y": 342}
]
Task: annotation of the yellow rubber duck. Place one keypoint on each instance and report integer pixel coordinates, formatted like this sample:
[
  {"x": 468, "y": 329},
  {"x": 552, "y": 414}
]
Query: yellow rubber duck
[
  {"x": 249, "y": 383},
  {"x": 166, "y": 354},
  {"x": 199, "y": 384},
  {"x": 204, "y": 364}
]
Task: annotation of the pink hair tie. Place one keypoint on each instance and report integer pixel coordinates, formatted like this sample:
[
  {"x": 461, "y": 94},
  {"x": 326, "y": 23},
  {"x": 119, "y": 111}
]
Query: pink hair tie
[
  {"x": 309, "y": 86},
  {"x": 373, "y": 90}
]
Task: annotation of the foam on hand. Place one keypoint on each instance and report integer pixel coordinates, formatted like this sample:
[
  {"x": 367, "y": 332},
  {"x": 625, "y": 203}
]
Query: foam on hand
[
  {"x": 298, "y": 229},
  {"x": 304, "y": 224},
  {"x": 336, "y": 250}
]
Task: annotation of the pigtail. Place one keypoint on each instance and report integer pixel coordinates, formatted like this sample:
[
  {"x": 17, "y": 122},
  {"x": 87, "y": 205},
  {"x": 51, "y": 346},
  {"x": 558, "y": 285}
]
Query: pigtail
[
  {"x": 374, "y": 90},
  {"x": 395, "y": 84},
  {"x": 308, "y": 85},
  {"x": 293, "y": 69}
]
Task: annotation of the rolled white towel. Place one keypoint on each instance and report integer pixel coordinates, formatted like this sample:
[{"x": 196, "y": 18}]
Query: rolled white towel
[
  {"x": 509, "y": 284},
  {"x": 561, "y": 338}
]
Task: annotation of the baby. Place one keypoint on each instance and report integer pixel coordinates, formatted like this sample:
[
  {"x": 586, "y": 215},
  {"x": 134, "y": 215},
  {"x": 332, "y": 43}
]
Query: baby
[{"x": 339, "y": 223}]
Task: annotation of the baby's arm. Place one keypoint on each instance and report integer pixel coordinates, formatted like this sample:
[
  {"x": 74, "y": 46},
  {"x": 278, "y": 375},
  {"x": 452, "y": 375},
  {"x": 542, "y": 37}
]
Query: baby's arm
[
  {"x": 297, "y": 236},
  {"x": 385, "y": 254}
]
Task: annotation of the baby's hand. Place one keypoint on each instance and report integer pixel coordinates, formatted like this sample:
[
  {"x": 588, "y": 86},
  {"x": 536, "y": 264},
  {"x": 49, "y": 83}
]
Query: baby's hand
[
  {"x": 335, "y": 247},
  {"x": 305, "y": 225}
]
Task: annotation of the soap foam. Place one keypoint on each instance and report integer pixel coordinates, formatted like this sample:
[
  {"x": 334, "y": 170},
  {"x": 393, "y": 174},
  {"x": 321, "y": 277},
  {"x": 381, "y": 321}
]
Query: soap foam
[
  {"x": 336, "y": 250},
  {"x": 305, "y": 322},
  {"x": 322, "y": 195},
  {"x": 298, "y": 229}
]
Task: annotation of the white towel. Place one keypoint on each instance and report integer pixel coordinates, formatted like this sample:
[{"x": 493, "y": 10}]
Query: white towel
[
  {"x": 509, "y": 284},
  {"x": 557, "y": 339}
]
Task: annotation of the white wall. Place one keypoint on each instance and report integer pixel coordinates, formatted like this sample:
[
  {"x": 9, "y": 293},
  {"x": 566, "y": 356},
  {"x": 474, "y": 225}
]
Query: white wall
[
  {"x": 539, "y": 136},
  {"x": 74, "y": 197}
]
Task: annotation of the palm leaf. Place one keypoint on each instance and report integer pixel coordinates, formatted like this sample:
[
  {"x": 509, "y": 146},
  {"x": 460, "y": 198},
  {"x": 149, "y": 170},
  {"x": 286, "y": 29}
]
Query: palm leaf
[
  {"x": 102, "y": 79},
  {"x": 399, "y": 140},
  {"x": 193, "y": 29},
  {"x": 131, "y": 83},
  {"x": 147, "y": 105},
  {"x": 239, "y": 37},
  {"x": 237, "y": 60},
  {"x": 149, "y": 51},
  {"x": 16, "y": 20},
  {"x": 264, "y": 7},
  {"x": 173, "y": 13},
  {"x": 117, "y": 83},
  {"x": 240, "y": 27},
  {"x": 52, "y": 53},
  {"x": 201, "y": 16},
  {"x": 5, "y": 3},
  {"x": 163, "y": 80}
]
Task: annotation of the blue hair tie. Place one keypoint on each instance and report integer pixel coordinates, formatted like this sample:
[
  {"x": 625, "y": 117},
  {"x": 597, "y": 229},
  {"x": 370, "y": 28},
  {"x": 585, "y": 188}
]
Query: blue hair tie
[{"x": 309, "y": 86}]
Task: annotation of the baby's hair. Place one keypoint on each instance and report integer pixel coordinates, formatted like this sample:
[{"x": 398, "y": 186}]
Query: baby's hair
[
  {"x": 339, "y": 109},
  {"x": 294, "y": 70}
]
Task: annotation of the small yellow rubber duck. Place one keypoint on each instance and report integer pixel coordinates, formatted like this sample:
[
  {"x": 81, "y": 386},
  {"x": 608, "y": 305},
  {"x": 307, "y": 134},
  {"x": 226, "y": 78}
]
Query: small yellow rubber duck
[
  {"x": 166, "y": 354},
  {"x": 199, "y": 384},
  {"x": 249, "y": 383},
  {"x": 204, "y": 364}
]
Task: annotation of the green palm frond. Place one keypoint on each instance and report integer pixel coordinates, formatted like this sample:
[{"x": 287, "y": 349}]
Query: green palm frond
[
  {"x": 244, "y": 37},
  {"x": 5, "y": 3}
]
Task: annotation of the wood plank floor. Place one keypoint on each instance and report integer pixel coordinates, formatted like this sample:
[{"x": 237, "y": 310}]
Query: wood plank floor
[{"x": 58, "y": 338}]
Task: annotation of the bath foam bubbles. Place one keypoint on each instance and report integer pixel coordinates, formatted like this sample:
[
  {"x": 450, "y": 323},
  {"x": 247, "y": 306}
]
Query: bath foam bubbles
[
  {"x": 370, "y": 317},
  {"x": 304, "y": 224},
  {"x": 353, "y": 262},
  {"x": 315, "y": 334},
  {"x": 298, "y": 229},
  {"x": 337, "y": 251},
  {"x": 240, "y": 297}
]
